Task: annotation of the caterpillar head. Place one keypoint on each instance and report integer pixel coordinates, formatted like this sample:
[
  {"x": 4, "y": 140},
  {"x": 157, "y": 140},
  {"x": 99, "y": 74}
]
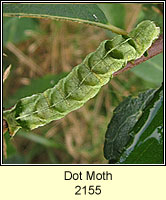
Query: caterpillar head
[{"x": 144, "y": 35}]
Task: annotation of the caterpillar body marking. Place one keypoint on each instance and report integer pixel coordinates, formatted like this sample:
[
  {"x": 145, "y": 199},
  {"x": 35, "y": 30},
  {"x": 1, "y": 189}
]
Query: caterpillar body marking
[{"x": 83, "y": 82}]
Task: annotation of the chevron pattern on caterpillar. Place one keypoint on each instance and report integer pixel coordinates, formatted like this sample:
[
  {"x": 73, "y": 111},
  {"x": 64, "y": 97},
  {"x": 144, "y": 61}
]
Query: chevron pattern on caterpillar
[{"x": 83, "y": 82}]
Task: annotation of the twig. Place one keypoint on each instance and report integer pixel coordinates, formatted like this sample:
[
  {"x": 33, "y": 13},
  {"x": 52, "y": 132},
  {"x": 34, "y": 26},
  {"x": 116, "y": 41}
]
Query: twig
[{"x": 154, "y": 50}]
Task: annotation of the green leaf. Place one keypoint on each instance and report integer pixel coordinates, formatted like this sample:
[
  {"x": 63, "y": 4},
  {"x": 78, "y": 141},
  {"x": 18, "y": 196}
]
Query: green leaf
[
  {"x": 89, "y": 12},
  {"x": 151, "y": 70},
  {"x": 82, "y": 13},
  {"x": 134, "y": 135},
  {"x": 15, "y": 29},
  {"x": 124, "y": 118},
  {"x": 147, "y": 145}
]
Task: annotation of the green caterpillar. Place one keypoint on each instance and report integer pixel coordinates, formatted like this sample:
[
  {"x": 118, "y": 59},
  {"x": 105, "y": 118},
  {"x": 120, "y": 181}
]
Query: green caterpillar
[{"x": 83, "y": 82}]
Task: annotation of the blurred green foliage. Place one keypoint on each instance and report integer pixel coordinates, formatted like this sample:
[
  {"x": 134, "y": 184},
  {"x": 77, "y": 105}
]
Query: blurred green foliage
[
  {"x": 151, "y": 70},
  {"x": 115, "y": 13},
  {"x": 16, "y": 29}
]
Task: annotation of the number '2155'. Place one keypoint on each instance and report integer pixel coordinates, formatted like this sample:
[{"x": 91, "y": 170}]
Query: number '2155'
[{"x": 88, "y": 190}]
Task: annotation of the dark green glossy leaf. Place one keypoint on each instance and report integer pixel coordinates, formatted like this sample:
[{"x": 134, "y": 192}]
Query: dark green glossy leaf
[
  {"x": 125, "y": 117},
  {"x": 134, "y": 135},
  {"x": 146, "y": 146},
  {"x": 87, "y": 12},
  {"x": 15, "y": 29}
]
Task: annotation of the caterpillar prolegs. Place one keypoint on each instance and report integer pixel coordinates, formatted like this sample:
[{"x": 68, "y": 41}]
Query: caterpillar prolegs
[{"x": 83, "y": 82}]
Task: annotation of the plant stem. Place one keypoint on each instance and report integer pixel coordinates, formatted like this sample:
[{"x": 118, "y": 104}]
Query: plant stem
[{"x": 112, "y": 28}]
